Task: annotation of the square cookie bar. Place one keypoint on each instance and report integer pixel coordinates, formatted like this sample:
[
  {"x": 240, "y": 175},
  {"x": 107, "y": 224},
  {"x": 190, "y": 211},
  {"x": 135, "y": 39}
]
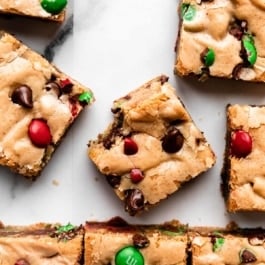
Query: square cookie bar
[
  {"x": 243, "y": 174},
  {"x": 117, "y": 242},
  {"x": 38, "y": 105},
  {"x": 53, "y": 10},
  {"x": 233, "y": 247},
  {"x": 41, "y": 244},
  {"x": 151, "y": 148},
  {"x": 221, "y": 38}
]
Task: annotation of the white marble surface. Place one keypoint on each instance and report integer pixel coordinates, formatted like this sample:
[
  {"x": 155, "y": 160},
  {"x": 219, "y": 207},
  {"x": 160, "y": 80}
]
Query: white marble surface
[{"x": 116, "y": 46}]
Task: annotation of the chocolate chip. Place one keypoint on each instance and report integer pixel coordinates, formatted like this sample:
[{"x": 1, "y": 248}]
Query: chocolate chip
[
  {"x": 53, "y": 86},
  {"x": 173, "y": 141},
  {"x": 140, "y": 241},
  {"x": 114, "y": 181},
  {"x": 22, "y": 95},
  {"x": 237, "y": 69},
  {"x": 66, "y": 86},
  {"x": 21, "y": 262},
  {"x": 256, "y": 241},
  {"x": 247, "y": 256},
  {"x": 238, "y": 28},
  {"x": 176, "y": 122},
  {"x": 163, "y": 79},
  {"x": 117, "y": 222},
  {"x": 205, "y": 73},
  {"x": 134, "y": 201}
]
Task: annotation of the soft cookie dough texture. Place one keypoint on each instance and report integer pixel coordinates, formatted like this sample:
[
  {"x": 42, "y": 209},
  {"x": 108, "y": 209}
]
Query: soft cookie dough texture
[
  {"x": 221, "y": 38},
  {"x": 151, "y": 148},
  {"x": 38, "y": 103},
  {"x": 241, "y": 246},
  {"x": 30, "y": 8},
  {"x": 244, "y": 167}
]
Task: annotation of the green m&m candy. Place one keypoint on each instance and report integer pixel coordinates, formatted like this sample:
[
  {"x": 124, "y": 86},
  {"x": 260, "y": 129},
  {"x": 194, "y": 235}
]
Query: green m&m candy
[
  {"x": 53, "y": 6},
  {"x": 208, "y": 57},
  {"x": 129, "y": 256},
  {"x": 85, "y": 97},
  {"x": 249, "y": 46},
  {"x": 188, "y": 11}
]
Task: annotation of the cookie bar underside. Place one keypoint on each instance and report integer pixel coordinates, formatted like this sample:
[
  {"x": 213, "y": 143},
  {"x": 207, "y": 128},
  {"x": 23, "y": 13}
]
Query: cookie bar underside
[
  {"x": 32, "y": 10},
  {"x": 151, "y": 148},
  {"x": 36, "y": 95},
  {"x": 243, "y": 177},
  {"x": 221, "y": 39}
]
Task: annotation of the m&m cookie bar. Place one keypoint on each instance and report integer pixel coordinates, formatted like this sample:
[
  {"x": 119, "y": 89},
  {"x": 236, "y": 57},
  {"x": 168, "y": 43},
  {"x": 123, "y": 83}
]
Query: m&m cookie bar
[
  {"x": 227, "y": 246},
  {"x": 41, "y": 244},
  {"x": 45, "y": 9},
  {"x": 221, "y": 38},
  {"x": 243, "y": 173},
  {"x": 38, "y": 105},
  {"x": 151, "y": 148},
  {"x": 116, "y": 242}
]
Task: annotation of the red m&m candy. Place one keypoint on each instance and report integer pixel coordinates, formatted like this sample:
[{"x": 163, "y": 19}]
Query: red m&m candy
[
  {"x": 241, "y": 143},
  {"x": 39, "y": 133}
]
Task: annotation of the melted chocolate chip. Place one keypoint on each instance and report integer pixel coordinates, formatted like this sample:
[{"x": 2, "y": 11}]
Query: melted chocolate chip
[
  {"x": 256, "y": 240},
  {"x": 115, "y": 131},
  {"x": 117, "y": 222},
  {"x": 54, "y": 87},
  {"x": 163, "y": 79},
  {"x": 173, "y": 141},
  {"x": 237, "y": 69},
  {"x": 66, "y": 86},
  {"x": 205, "y": 73},
  {"x": 203, "y": 55},
  {"x": 238, "y": 28},
  {"x": 114, "y": 181},
  {"x": 22, "y": 95},
  {"x": 176, "y": 122},
  {"x": 21, "y": 262},
  {"x": 247, "y": 256},
  {"x": 140, "y": 241},
  {"x": 134, "y": 201}
]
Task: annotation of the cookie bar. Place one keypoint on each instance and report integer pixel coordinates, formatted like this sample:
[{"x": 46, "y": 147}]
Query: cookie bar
[
  {"x": 221, "y": 38},
  {"x": 243, "y": 174},
  {"x": 243, "y": 246},
  {"x": 41, "y": 244},
  {"x": 53, "y": 10},
  {"x": 118, "y": 243},
  {"x": 151, "y": 148},
  {"x": 38, "y": 105}
]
